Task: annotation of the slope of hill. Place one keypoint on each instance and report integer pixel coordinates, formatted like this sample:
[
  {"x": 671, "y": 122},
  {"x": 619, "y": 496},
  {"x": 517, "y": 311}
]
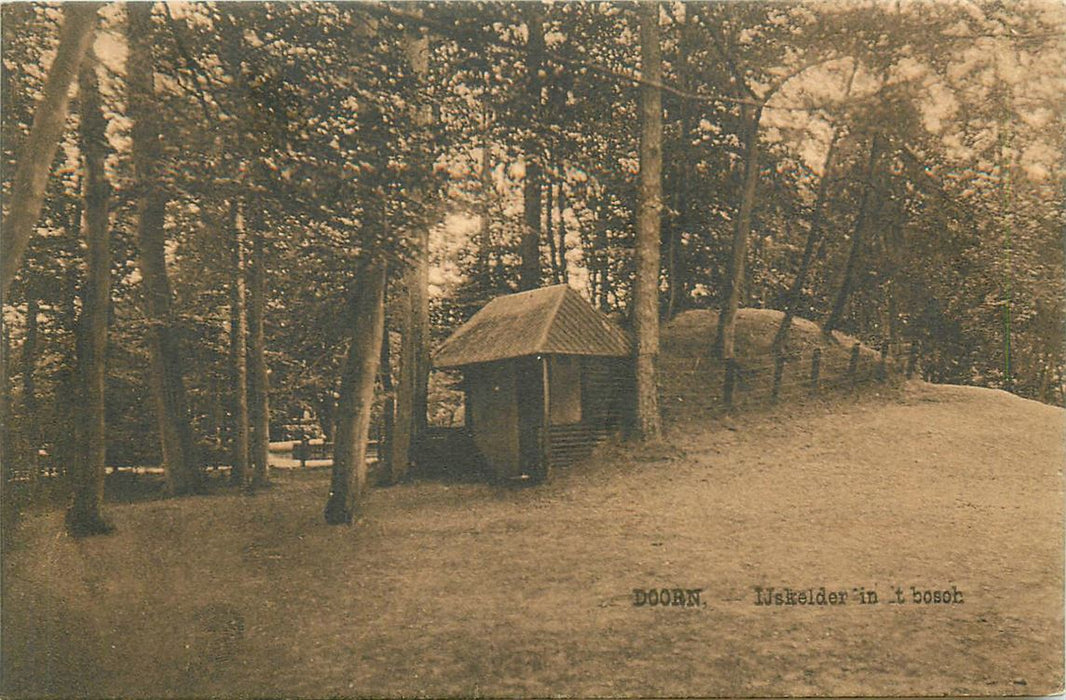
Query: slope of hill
[{"x": 691, "y": 378}]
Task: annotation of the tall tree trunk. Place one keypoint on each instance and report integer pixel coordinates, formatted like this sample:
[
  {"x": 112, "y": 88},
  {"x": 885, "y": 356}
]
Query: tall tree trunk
[
  {"x": 9, "y": 509},
  {"x": 484, "y": 244},
  {"x": 238, "y": 347},
  {"x": 36, "y": 155},
  {"x": 725, "y": 342},
  {"x": 600, "y": 257},
  {"x": 676, "y": 263},
  {"x": 367, "y": 317},
  {"x": 560, "y": 201},
  {"x": 28, "y": 357},
  {"x": 84, "y": 516},
  {"x": 168, "y": 386},
  {"x": 530, "y": 271},
  {"x": 258, "y": 372},
  {"x": 411, "y": 398},
  {"x": 813, "y": 236},
  {"x": 894, "y": 243},
  {"x": 388, "y": 433},
  {"x": 646, "y": 285},
  {"x": 411, "y": 394},
  {"x": 857, "y": 236},
  {"x": 549, "y": 228},
  {"x": 5, "y": 399},
  {"x": 257, "y": 387}
]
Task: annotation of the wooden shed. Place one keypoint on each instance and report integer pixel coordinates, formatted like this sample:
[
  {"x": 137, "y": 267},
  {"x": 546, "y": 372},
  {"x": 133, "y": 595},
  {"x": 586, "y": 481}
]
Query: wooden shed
[{"x": 546, "y": 377}]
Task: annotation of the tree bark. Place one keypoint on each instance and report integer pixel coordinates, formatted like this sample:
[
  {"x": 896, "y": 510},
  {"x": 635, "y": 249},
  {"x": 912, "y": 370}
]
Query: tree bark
[
  {"x": 8, "y": 506},
  {"x": 366, "y": 319},
  {"x": 646, "y": 284},
  {"x": 35, "y": 157},
  {"x": 5, "y": 397},
  {"x": 530, "y": 269},
  {"x": 84, "y": 516},
  {"x": 28, "y": 362},
  {"x": 388, "y": 433},
  {"x": 858, "y": 233},
  {"x": 168, "y": 387},
  {"x": 564, "y": 275},
  {"x": 549, "y": 228},
  {"x": 239, "y": 350},
  {"x": 725, "y": 341},
  {"x": 258, "y": 372}
]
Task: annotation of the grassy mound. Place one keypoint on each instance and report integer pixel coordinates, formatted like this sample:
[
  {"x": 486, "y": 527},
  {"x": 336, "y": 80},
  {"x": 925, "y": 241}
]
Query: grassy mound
[{"x": 692, "y": 379}]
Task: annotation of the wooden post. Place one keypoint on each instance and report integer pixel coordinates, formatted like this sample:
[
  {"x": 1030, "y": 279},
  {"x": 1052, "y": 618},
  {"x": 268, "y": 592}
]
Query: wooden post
[
  {"x": 779, "y": 370},
  {"x": 305, "y": 447},
  {"x": 730, "y": 381},
  {"x": 816, "y": 362},
  {"x": 853, "y": 364},
  {"x": 545, "y": 436},
  {"x": 912, "y": 360},
  {"x": 882, "y": 366}
]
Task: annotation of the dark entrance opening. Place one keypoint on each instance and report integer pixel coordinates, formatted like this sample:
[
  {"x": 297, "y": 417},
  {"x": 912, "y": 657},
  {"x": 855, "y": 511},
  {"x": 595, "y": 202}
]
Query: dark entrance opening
[{"x": 529, "y": 393}]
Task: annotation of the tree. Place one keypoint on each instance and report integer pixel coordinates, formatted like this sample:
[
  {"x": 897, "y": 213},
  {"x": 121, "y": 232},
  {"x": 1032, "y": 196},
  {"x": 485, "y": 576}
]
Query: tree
[
  {"x": 35, "y": 159},
  {"x": 411, "y": 398},
  {"x": 533, "y": 150},
  {"x": 857, "y": 238},
  {"x": 241, "y": 455},
  {"x": 367, "y": 320},
  {"x": 168, "y": 386},
  {"x": 751, "y": 116},
  {"x": 646, "y": 283},
  {"x": 84, "y": 516},
  {"x": 681, "y": 218},
  {"x": 258, "y": 373}
]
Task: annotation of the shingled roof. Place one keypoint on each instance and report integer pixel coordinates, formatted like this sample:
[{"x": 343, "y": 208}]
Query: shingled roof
[{"x": 550, "y": 320}]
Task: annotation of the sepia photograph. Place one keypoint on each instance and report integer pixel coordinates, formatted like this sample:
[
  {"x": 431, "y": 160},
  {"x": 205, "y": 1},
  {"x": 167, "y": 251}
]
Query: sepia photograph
[{"x": 463, "y": 349}]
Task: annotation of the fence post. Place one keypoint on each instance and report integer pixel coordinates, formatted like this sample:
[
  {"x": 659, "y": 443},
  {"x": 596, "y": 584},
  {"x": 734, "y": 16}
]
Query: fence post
[
  {"x": 730, "y": 381},
  {"x": 912, "y": 359},
  {"x": 779, "y": 370},
  {"x": 853, "y": 364},
  {"x": 882, "y": 367},
  {"x": 305, "y": 447},
  {"x": 816, "y": 362}
]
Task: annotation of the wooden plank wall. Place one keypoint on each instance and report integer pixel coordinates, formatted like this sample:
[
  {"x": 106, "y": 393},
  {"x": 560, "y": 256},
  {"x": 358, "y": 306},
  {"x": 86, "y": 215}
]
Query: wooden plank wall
[{"x": 606, "y": 398}]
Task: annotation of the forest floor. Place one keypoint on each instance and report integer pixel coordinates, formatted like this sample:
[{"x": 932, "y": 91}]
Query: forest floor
[{"x": 449, "y": 589}]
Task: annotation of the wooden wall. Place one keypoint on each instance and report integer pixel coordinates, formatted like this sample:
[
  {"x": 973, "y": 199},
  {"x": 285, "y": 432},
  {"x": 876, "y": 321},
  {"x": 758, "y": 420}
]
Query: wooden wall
[{"x": 606, "y": 399}]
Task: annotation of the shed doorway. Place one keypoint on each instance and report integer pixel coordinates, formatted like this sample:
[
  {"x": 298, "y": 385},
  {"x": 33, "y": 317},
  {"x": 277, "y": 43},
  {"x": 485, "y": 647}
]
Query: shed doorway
[{"x": 529, "y": 392}]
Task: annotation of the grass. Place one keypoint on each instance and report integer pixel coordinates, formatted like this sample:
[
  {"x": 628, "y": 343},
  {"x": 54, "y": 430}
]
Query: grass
[{"x": 446, "y": 589}]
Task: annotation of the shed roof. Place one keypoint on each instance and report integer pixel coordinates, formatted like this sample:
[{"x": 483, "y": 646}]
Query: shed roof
[{"x": 549, "y": 320}]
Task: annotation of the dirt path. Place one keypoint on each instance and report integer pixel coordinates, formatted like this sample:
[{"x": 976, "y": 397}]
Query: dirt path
[{"x": 467, "y": 589}]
